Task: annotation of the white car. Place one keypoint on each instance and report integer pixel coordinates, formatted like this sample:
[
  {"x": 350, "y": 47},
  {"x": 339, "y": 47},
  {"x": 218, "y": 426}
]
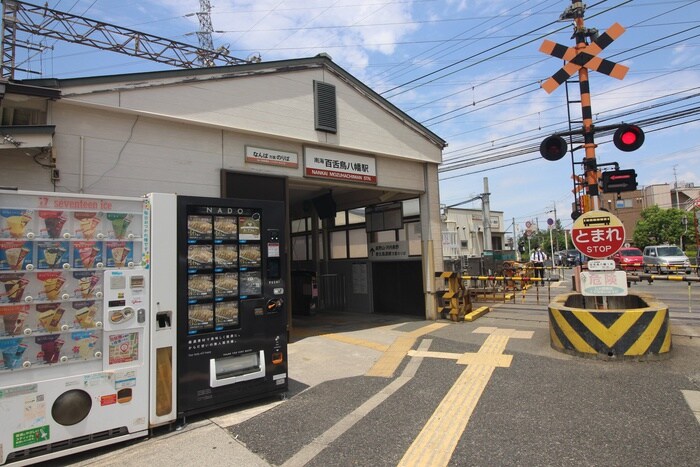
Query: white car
[{"x": 665, "y": 259}]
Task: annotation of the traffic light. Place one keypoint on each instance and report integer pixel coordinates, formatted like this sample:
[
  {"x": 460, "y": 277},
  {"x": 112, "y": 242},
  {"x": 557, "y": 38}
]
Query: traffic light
[
  {"x": 553, "y": 148},
  {"x": 619, "y": 180},
  {"x": 628, "y": 137}
]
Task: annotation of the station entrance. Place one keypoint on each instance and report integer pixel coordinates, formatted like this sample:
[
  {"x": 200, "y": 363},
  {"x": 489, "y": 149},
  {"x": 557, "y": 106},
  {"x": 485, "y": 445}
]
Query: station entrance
[{"x": 354, "y": 249}]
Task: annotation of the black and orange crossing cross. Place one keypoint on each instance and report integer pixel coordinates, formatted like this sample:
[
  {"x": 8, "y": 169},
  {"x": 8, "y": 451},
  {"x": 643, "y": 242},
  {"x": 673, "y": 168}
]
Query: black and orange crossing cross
[{"x": 585, "y": 57}]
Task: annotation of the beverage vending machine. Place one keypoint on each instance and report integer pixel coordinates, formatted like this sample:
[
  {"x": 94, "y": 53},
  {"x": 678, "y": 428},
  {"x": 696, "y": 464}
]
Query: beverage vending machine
[
  {"x": 232, "y": 318},
  {"x": 74, "y": 323}
]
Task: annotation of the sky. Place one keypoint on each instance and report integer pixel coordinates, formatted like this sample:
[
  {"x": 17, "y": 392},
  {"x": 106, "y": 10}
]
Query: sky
[{"x": 468, "y": 70}]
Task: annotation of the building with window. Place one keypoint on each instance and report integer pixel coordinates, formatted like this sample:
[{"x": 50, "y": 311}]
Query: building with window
[
  {"x": 358, "y": 175},
  {"x": 463, "y": 234},
  {"x": 628, "y": 206}
]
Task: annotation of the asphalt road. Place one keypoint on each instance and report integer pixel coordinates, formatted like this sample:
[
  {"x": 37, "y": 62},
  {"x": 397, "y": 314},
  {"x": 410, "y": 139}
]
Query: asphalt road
[{"x": 489, "y": 392}]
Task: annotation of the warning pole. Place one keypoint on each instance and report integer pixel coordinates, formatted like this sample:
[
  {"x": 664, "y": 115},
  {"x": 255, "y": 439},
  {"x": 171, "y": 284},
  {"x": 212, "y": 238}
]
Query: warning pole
[{"x": 589, "y": 162}]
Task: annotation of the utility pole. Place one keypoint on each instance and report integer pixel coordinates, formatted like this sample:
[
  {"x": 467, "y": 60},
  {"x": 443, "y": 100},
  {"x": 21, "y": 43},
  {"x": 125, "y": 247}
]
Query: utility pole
[
  {"x": 515, "y": 241},
  {"x": 675, "y": 187},
  {"x": 486, "y": 210}
]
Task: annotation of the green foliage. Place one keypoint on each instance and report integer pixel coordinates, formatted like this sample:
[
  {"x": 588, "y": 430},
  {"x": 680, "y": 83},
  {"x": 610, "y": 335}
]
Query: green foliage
[
  {"x": 658, "y": 226},
  {"x": 541, "y": 238}
]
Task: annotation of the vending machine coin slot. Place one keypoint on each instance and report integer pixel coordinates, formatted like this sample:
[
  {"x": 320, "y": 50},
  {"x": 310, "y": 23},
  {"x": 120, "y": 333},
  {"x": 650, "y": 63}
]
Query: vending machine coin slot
[{"x": 163, "y": 320}]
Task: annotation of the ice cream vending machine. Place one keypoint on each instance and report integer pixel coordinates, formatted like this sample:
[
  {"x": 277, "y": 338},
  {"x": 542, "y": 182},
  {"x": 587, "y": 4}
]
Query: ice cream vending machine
[
  {"x": 75, "y": 323},
  {"x": 232, "y": 318}
]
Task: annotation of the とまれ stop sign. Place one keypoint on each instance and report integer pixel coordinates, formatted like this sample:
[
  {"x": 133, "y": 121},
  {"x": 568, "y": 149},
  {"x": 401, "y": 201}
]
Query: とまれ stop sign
[{"x": 598, "y": 234}]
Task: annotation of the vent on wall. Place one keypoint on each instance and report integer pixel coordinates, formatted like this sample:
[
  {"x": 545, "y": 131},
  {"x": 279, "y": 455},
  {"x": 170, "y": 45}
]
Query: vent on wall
[{"x": 326, "y": 114}]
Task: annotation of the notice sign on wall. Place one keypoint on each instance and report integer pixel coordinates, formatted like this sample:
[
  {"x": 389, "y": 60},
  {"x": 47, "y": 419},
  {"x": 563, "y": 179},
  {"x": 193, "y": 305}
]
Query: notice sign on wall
[
  {"x": 388, "y": 251},
  {"x": 333, "y": 165},
  {"x": 271, "y": 157}
]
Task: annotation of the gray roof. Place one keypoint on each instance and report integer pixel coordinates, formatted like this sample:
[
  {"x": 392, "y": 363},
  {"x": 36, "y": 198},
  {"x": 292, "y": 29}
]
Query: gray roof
[{"x": 248, "y": 69}]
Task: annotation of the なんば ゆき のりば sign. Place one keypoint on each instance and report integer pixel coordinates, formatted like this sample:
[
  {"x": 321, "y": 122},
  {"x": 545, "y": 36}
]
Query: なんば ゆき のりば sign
[{"x": 319, "y": 163}]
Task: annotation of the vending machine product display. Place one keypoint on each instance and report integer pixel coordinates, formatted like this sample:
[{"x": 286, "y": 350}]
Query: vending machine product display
[
  {"x": 74, "y": 323},
  {"x": 232, "y": 320}
]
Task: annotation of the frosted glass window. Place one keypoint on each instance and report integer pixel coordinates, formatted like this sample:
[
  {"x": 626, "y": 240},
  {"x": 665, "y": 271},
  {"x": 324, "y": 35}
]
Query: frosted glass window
[
  {"x": 299, "y": 248},
  {"x": 385, "y": 236},
  {"x": 299, "y": 225},
  {"x": 356, "y": 216},
  {"x": 414, "y": 238},
  {"x": 358, "y": 243},
  {"x": 339, "y": 245}
]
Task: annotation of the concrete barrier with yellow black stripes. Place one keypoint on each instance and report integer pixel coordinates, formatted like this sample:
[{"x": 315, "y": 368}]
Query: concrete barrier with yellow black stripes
[{"x": 634, "y": 327}]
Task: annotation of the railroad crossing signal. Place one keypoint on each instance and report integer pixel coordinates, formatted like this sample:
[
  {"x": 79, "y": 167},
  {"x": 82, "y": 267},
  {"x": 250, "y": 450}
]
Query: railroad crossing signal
[
  {"x": 585, "y": 57},
  {"x": 619, "y": 180},
  {"x": 628, "y": 137},
  {"x": 553, "y": 148}
]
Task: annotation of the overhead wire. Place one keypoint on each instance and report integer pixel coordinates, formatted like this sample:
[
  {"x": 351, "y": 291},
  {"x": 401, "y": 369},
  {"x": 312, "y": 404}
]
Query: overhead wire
[{"x": 667, "y": 45}]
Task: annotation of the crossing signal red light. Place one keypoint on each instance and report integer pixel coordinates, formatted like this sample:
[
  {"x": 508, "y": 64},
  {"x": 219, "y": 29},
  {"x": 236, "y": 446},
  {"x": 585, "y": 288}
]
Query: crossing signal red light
[
  {"x": 628, "y": 137},
  {"x": 553, "y": 148}
]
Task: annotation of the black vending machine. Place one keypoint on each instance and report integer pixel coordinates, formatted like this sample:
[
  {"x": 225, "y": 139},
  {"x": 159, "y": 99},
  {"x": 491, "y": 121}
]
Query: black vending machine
[{"x": 232, "y": 322}]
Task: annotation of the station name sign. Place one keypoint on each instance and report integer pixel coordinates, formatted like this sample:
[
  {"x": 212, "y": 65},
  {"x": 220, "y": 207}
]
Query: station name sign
[{"x": 334, "y": 165}]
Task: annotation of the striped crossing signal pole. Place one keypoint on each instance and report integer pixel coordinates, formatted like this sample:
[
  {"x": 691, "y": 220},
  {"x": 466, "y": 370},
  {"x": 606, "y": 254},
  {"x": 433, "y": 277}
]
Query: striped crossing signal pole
[{"x": 581, "y": 58}]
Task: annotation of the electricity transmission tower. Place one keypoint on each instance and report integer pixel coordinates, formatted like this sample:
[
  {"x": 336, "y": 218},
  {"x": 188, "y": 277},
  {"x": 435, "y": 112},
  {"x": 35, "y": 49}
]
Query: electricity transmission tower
[
  {"x": 22, "y": 17},
  {"x": 205, "y": 30}
]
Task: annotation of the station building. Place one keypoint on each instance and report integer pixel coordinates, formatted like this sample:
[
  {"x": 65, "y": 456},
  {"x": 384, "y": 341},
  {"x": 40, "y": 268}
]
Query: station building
[{"x": 358, "y": 175}]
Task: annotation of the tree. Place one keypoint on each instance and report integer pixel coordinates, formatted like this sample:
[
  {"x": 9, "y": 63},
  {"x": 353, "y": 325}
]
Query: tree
[
  {"x": 658, "y": 226},
  {"x": 540, "y": 237}
]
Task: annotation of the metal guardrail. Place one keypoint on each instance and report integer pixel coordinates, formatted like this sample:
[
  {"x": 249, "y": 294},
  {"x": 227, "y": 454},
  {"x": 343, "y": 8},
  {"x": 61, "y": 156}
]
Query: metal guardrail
[{"x": 504, "y": 288}]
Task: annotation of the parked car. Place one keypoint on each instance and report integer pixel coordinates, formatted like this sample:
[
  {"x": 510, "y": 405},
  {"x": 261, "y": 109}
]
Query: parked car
[
  {"x": 629, "y": 259},
  {"x": 572, "y": 258},
  {"x": 559, "y": 258},
  {"x": 665, "y": 259}
]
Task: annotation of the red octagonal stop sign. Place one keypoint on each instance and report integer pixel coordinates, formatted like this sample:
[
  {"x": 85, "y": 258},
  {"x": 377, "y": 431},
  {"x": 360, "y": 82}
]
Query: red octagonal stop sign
[{"x": 598, "y": 234}]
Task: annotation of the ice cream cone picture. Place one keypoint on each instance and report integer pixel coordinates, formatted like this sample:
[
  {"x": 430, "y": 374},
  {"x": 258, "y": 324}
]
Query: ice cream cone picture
[
  {"x": 53, "y": 284},
  {"x": 15, "y": 285},
  {"x": 51, "y": 254},
  {"x": 87, "y": 224},
  {"x": 120, "y": 223},
  {"x": 50, "y": 316},
  {"x": 86, "y": 254},
  {"x": 85, "y": 314},
  {"x": 15, "y": 255},
  {"x": 86, "y": 284},
  {"x": 50, "y": 348},
  {"x": 12, "y": 354},
  {"x": 85, "y": 345},
  {"x": 15, "y": 222},
  {"x": 118, "y": 254},
  {"x": 13, "y": 318},
  {"x": 54, "y": 222}
]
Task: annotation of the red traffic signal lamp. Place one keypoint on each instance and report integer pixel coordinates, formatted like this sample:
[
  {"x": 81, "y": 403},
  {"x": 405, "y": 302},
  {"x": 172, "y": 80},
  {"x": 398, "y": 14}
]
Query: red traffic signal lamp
[
  {"x": 628, "y": 137},
  {"x": 553, "y": 148}
]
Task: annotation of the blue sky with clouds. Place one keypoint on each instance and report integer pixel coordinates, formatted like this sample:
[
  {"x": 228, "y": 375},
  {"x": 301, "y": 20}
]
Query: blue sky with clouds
[{"x": 469, "y": 70}]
